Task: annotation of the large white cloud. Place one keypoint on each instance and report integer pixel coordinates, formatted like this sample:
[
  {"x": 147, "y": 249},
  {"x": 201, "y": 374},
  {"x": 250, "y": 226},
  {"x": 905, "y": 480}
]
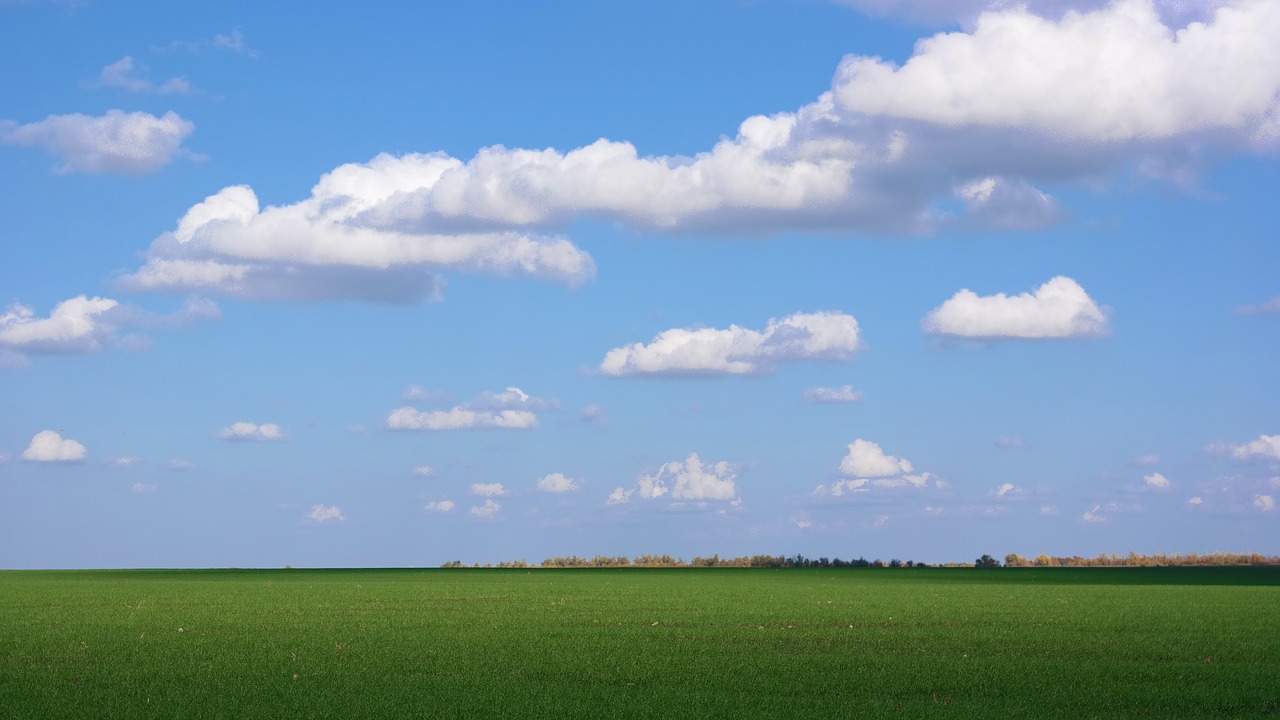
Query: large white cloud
[
  {"x": 974, "y": 123},
  {"x": 691, "y": 479},
  {"x": 49, "y": 446},
  {"x": 1115, "y": 74},
  {"x": 117, "y": 142},
  {"x": 737, "y": 350},
  {"x": 1058, "y": 309},
  {"x": 325, "y": 247}
]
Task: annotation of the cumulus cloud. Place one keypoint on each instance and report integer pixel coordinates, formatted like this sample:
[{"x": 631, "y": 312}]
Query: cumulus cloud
[
  {"x": 866, "y": 460},
  {"x": 982, "y": 119},
  {"x": 127, "y": 74},
  {"x": 78, "y": 325},
  {"x": 1058, "y": 309},
  {"x": 440, "y": 506},
  {"x": 1266, "y": 447},
  {"x": 557, "y": 483},
  {"x": 487, "y": 510},
  {"x": 1111, "y": 75},
  {"x": 87, "y": 325},
  {"x": 870, "y": 468},
  {"x": 691, "y": 480},
  {"x": 1265, "y": 503},
  {"x": 49, "y": 446},
  {"x": 1269, "y": 307},
  {"x": 326, "y": 248},
  {"x": 488, "y": 489},
  {"x": 117, "y": 142},
  {"x": 844, "y": 394},
  {"x": 511, "y": 409},
  {"x": 250, "y": 432},
  {"x": 325, "y": 513},
  {"x": 739, "y": 351},
  {"x": 1156, "y": 481}
]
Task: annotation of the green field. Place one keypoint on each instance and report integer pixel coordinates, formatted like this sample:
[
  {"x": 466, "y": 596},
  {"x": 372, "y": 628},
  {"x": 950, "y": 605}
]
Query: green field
[{"x": 683, "y": 643}]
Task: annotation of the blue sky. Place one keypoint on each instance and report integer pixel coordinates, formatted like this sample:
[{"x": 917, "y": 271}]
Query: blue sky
[{"x": 365, "y": 286}]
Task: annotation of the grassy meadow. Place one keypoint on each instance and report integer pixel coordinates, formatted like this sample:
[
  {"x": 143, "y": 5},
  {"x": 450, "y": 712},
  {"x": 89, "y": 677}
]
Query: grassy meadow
[{"x": 671, "y": 643}]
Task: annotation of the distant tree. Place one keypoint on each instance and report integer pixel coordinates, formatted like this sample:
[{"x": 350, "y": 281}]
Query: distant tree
[{"x": 986, "y": 561}]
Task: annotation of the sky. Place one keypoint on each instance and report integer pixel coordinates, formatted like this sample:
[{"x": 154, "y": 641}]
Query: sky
[{"x": 395, "y": 285}]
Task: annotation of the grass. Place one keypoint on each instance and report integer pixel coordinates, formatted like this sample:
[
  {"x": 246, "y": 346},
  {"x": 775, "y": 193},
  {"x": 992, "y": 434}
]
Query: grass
[{"x": 1051, "y": 643}]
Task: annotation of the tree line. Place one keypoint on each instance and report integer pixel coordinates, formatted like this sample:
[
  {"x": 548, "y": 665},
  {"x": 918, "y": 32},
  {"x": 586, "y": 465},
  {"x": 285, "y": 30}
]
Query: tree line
[{"x": 1011, "y": 560}]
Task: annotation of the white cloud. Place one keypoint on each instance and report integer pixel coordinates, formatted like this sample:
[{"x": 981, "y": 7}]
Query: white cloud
[
  {"x": 557, "y": 483},
  {"x": 1094, "y": 515},
  {"x": 1269, "y": 307},
  {"x": 1197, "y": 500},
  {"x": 691, "y": 479},
  {"x": 424, "y": 471},
  {"x": 247, "y": 431},
  {"x": 739, "y": 351},
  {"x": 1049, "y": 510},
  {"x": 1004, "y": 490},
  {"x": 4, "y": 458},
  {"x": 510, "y": 409},
  {"x": 407, "y": 418},
  {"x": 326, "y": 247},
  {"x": 488, "y": 489},
  {"x": 1156, "y": 481},
  {"x": 1058, "y": 309},
  {"x": 1265, "y": 503},
  {"x": 441, "y": 506},
  {"x": 1265, "y": 447},
  {"x": 123, "y": 461},
  {"x": 140, "y": 488},
  {"x": 866, "y": 460},
  {"x": 117, "y": 142},
  {"x": 1111, "y": 75},
  {"x": 487, "y": 510},
  {"x": 982, "y": 120},
  {"x": 49, "y": 446},
  {"x": 1010, "y": 441},
  {"x": 845, "y": 394},
  {"x": 87, "y": 325},
  {"x": 326, "y": 513},
  {"x": 179, "y": 465},
  {"x": 78, "y": 325},
  {"x": 127, "y": 74}
]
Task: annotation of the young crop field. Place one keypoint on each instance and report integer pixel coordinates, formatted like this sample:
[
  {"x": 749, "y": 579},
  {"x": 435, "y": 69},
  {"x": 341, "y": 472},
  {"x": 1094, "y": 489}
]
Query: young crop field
[{"x": 643, "y": 643}]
